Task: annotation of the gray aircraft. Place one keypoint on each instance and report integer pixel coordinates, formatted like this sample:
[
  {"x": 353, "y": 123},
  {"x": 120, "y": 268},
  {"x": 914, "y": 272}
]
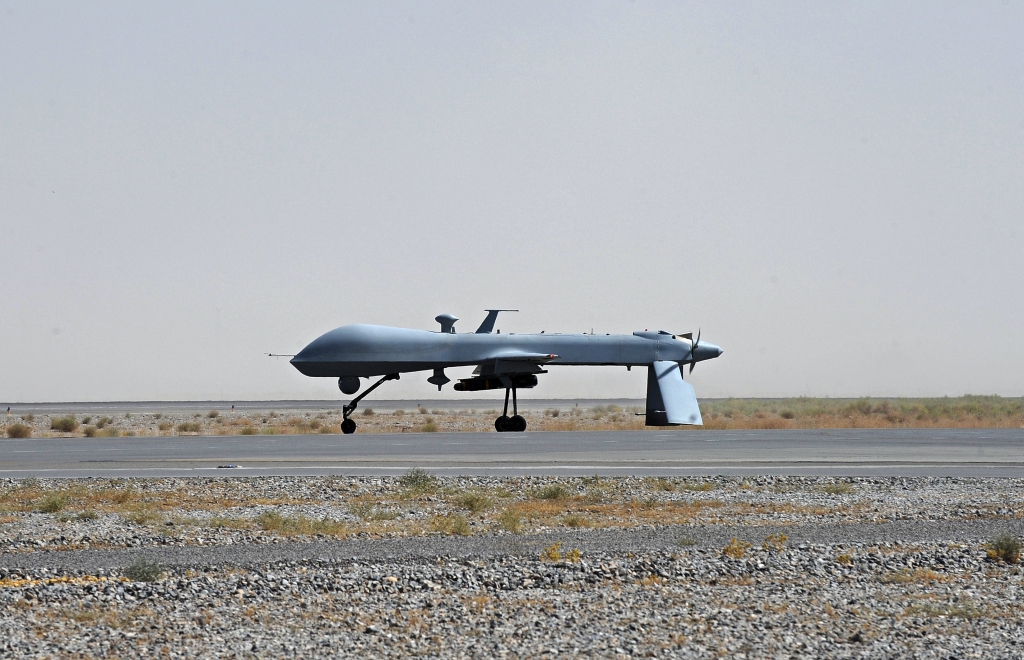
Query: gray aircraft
[{"x": 510, "y": 362}]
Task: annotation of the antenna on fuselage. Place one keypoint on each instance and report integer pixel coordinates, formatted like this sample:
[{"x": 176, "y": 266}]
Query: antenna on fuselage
[
  {"x": 492, "y": 315},
  {"x": 447, "y": 322}
]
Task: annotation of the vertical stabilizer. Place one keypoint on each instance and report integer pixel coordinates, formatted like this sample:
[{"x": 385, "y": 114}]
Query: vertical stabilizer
[
  {"x": 492, "y": 315},
  {"x": 670, "y": 399}
]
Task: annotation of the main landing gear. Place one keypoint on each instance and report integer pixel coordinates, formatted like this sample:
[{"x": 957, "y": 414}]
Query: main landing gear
[
  {"x": 505, "y": 424},
  {"x": 348, "y": 426}
]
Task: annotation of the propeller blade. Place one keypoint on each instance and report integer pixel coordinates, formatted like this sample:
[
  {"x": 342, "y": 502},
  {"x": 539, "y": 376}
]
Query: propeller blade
[{"x": 693, "y": 347}]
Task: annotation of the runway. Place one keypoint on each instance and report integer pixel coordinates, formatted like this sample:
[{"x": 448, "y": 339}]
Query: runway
[{"x": 835, "y": 452}]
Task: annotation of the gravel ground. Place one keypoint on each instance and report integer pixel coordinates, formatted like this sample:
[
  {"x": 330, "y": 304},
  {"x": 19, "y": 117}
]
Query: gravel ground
[
  {"x": 375, "y": 567},
  {"x": 71, "y": 514},
  {"x": 812, "y": 600}
]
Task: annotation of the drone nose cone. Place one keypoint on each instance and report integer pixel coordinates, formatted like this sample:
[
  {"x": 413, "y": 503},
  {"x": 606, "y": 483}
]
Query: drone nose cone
[{"x": 706, "y": 351}]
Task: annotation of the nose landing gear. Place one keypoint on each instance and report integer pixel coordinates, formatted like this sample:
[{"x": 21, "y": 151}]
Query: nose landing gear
[
  {"x": 514, "y": 424},
  {"x": 348, "y": 426}
]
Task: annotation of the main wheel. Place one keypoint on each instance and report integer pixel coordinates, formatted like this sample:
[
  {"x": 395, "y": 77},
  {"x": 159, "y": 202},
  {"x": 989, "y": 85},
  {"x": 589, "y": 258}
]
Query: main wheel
[
  {"x": 517, "y": 424},
  {"x": 348, "y": 427},
  {"x": 501, "y": 424}
]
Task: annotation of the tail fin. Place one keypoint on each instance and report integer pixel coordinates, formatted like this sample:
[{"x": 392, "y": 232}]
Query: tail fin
[
  {"x": 670, "y": 399},
  {"x": 492, "y": 315}
]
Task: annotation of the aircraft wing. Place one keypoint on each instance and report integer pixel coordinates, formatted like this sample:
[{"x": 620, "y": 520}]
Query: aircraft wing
[
  {"x": 522, "y": 356},
  {"x": 514, "y": 362}
]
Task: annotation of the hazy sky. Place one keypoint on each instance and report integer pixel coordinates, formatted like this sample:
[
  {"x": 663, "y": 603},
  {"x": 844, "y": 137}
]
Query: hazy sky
[{"x": 832, "y": 192}]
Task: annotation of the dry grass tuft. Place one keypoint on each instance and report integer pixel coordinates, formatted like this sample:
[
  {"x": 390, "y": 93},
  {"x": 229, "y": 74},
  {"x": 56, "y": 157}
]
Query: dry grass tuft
[
  {"x": 272, "y": 521},
  {"x": 908, "y": 576},
  {"x": 510, "y": 521},
  {"x": 53, "y": 502},
  {"x": 451, "y": 524},
  {"x": 1005, "y": 548},
  {"x": 553, "y": 492},
  {"x": 775, "y": 542},
  {"x": 735, "y": 549},
  {"x": 552, "y": 553},
  {"x": 418, "y": 480},
  {"x": 66, "y": 424},
  {"x": 18, "y": 431},
  {"x": 475, "y": 502},
  {"x": 575, "y": 521},
  {"x": 143, "y": 571},
  {"x": 368, "y": 511}
]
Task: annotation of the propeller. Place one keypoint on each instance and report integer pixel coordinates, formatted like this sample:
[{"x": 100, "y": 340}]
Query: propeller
[{"x": 693, "y": 347}]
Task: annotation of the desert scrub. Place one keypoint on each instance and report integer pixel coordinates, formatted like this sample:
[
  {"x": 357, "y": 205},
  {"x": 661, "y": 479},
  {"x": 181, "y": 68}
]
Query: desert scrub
[
  {"x": 510, "y": 521},
  {"x": 776, "y": 542},
  {"x": 64, "y": 424},
  {"x": 418, "y": 479},
  {"x": 552, "y": 553},
  {"x": 736, "y": 549},
  {"x": 53, "y": 502},
  {"x": 841, "y": 488},
  {"x": 475, "y": 502},
  {"x": 89, "y": 431},
  {"x": 143, "y": 570},
  {"x": 272, "y": 521},
  {"x": 1005, "y": 548},
  {"x": 189, "y": 427},
  {"x": 662, "y": 484},
  {"x": 18, "y": 430},
  {"x": 451, "y": 524},
  {"x": 141, "y": 515},
  {"x": 553, "y": 492},
  {"x": 248, "y": 430},
  {"x": 908, "y": 576},
  {"x": 430, "y": 426},
  {"x": 575, "y": 520},
  {"x": 368, "y": 511}
]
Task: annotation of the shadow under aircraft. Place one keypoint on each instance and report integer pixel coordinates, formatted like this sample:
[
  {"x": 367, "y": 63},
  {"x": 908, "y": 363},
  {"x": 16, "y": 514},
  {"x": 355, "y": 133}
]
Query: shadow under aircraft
[{"x": 511, "y": 362}]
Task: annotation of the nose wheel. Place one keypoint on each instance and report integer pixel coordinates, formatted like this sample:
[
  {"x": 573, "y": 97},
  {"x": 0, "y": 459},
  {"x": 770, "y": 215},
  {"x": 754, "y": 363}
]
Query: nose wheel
[
  {"x": 348, "y": 426},
  {"x": 514, "y": 424}
]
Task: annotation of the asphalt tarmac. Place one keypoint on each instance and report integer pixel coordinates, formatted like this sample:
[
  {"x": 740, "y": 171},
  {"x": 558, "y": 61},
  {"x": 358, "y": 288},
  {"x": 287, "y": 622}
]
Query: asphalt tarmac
[{"x": 831, "y": 452}]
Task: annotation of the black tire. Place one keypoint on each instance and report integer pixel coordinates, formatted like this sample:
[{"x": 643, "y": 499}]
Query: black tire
[
  {"x": 501, "y": 424},
  {"x": 348, "y": 427},
  {"x": 517, "y": 424}
]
